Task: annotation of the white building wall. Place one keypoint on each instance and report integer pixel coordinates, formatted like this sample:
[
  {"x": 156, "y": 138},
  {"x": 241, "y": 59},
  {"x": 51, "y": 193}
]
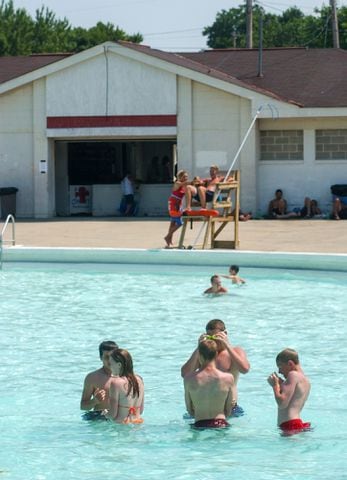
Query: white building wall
[
  {"x": 298, "y": 179},
  {"x": 219, "y": 122},
  {"x": 16, "y": 146},
  {"x": 43, "y": 156},
  {"x": 111, "y": 85}
]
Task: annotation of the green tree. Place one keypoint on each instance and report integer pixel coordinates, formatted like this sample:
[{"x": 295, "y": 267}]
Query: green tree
[
  {"x": 16, "y": 30},
  {"x": 20, "y": 34},
  {"x": 49, "y": 33},
  {"x": 85, "y": 38},
  {"x": 290, "y": 29}
]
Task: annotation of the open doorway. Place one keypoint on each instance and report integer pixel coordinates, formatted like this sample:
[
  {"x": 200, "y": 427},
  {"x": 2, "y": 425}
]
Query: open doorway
[{"x": 83, "y": 165}]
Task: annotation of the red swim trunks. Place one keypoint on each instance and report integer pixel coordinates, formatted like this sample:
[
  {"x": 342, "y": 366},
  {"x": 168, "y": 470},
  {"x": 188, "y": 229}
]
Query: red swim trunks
[
  {"x": 211, "y": 423},
  {"x": 295, "y": 426}
]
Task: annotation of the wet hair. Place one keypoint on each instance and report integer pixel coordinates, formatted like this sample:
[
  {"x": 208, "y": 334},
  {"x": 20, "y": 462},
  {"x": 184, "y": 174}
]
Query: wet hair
[
  {"x": 286, "y": 355},
  {"x": 279, "y": 191},
  {"x": 214, "y": 278},
  {"x": 127, "y": 370},
  {"x": 208, "y": 349},
  {"x": 180, "y": 174},
  {"x": 215, "y": 324},
  {"x": 235, "y": 268},
  {"x": 107, "y": 346}
]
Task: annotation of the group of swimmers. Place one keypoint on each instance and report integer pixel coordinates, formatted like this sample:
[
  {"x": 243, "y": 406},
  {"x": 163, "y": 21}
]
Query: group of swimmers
[
  {"x": 217, "y": 288},
  {"x": 114, "y": 392}
]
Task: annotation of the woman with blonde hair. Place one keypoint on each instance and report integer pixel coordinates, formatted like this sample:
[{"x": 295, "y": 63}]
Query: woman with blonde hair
[{"x": 175, "y": 204}]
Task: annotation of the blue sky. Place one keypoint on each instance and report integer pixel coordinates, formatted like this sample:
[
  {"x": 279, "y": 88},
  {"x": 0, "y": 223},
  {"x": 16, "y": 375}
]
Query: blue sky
[{"x": 165, "y": 24}]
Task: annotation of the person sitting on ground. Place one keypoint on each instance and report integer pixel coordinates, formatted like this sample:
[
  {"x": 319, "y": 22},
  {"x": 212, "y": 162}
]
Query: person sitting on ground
[
  {"x": 126, "y": 390},
  {"x": 243, "y": 217},
  {"x": 229, "y": 359},
  {"x": 95, "y": 395},
  {"x": 291, "y": 394},
  {"x": 233, "y": 275},
  {"x": 310, "y": 208},
  {"x": 208, "y": 390},
  {"x": 216, "y": 286},
  {"x": 339, "y": 210},
  {"x": 278, "y": 205}
]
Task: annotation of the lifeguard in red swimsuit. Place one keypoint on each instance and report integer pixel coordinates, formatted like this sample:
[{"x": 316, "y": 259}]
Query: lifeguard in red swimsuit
[{"x": 180, "y": 188}]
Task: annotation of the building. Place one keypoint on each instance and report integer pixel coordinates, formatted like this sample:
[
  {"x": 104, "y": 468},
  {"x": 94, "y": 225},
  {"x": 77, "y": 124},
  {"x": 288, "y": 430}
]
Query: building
[{"x": 72, "y": 126}]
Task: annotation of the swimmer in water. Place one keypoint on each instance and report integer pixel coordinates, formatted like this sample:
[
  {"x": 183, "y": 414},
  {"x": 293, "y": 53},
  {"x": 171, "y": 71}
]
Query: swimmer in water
[
  {"x": 96, "y": 385},
  {"x": 216, "y": 286},
  {"x": 233, "y": 275},
  {"x": 208, "y": 390},
  {"x": 291, "y": 393},
  {"x": 126, "y": 390}
]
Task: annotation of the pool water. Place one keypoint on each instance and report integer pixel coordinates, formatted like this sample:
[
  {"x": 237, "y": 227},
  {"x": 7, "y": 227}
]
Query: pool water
[{"x": 54, "y": 316}]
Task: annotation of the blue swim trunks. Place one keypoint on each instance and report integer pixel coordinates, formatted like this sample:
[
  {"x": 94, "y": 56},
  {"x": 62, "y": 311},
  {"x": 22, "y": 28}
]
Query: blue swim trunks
[{"x": 177, "y": 220}]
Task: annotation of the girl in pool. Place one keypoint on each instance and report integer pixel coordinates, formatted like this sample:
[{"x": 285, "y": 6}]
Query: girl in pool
[{"x": 126, "y": 390}]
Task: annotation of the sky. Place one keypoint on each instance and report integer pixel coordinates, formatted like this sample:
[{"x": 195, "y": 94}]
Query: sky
[{"x": 173, "y": 25}]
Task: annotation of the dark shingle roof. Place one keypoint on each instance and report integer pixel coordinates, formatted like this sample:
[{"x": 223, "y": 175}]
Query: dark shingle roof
[
  {"x": 305, "y": 77},
  {"x": 13, "y": 67}
]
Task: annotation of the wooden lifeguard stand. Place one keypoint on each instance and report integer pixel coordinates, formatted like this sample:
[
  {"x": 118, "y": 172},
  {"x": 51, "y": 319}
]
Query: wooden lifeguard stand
[{"x": 226, "y": 200}]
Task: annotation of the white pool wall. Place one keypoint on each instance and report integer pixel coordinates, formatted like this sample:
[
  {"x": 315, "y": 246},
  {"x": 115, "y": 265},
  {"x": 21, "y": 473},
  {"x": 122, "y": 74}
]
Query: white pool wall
[{"x": 311, "y": 261}]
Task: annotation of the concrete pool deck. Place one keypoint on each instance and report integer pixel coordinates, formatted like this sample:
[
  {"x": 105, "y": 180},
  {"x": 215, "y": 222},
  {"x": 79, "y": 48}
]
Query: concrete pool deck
[{"x": 314, "y": 236}]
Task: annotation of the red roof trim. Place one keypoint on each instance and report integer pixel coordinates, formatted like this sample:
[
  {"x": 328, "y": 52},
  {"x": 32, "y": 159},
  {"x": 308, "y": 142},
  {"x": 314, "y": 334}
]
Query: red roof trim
[{"x": 113, "y": 121}]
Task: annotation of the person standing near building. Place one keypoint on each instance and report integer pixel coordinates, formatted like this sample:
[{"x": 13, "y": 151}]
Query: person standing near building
[{"x": 127, "y": 186}]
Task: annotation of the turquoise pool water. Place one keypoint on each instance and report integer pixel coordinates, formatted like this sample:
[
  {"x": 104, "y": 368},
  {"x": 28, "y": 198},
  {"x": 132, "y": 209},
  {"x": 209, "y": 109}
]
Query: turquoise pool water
[{"x": 54, "y": 316}]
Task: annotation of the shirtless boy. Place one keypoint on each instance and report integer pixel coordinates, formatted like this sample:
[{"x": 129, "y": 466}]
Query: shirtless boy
[
  {"x": 229, "y": 358},
  {"x": 291, "y": 394},
  {"x": 233, "y": 275},
  {"x": 209, "y": 391},
  {"x": 216, "y": 286},
  {"x": 95, "y": 395},
  {"x": 278, "y": 205}
]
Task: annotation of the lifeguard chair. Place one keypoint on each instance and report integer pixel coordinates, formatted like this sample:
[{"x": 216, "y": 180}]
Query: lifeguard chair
[{"x": 226, "y": 200}]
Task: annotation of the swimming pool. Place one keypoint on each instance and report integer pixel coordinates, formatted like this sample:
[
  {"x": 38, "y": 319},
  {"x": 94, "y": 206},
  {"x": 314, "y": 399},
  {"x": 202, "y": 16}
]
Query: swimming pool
[{"x": 55, "y": 315}]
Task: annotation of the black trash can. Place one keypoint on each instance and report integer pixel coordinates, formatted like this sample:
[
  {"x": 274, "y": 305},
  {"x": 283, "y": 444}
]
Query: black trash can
[
  {"x": 340, "y": 190},
  {"x": 8, "y": 202}
]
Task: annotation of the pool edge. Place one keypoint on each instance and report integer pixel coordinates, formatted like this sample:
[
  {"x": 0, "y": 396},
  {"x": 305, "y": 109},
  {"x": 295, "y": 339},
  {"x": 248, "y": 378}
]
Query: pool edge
[{"x": 292, "y": 260}]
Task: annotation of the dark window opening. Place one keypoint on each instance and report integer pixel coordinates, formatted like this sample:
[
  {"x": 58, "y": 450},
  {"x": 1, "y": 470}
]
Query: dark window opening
[{"x": 91, "y": 163}]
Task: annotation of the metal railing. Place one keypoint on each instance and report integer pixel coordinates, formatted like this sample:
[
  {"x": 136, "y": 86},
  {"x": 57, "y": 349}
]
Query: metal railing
[{"x": 10, "y": 218}]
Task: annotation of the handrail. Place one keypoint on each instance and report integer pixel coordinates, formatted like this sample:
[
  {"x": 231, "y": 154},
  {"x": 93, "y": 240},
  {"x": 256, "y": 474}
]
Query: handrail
[{"x": 13, "y": 240}]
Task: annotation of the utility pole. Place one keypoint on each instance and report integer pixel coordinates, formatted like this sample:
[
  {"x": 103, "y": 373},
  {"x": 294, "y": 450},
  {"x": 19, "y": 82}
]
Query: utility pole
[
  {"x": 335, "y": 24},
  {"x": 249, "y": 23},
  {"x": 234, "y": 37}
]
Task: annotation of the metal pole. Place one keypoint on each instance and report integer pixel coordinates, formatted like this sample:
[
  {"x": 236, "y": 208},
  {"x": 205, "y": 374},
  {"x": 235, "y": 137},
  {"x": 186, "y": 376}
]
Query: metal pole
[
  {"x": 243, "y": 142},
  {"x": 335, "y": 24},
  {"x": 249, "y": 24}
]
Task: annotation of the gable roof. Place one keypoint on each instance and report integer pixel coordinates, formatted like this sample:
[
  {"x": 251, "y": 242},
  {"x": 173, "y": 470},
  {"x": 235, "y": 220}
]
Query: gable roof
[
  {"x": 307, "y": 77},
  {"x": 13, "y": 67},
  {"x": 300, "y": 76}
]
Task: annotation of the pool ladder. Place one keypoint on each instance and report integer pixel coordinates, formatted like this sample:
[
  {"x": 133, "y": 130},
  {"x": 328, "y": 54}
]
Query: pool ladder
[{"x": 10, "y": 218}]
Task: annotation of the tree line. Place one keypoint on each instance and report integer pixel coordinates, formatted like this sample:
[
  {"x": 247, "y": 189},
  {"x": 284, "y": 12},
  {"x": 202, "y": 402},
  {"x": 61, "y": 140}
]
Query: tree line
[
  {"x": 20, "y": 34},
  {"x": 290, "y": 29}
]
